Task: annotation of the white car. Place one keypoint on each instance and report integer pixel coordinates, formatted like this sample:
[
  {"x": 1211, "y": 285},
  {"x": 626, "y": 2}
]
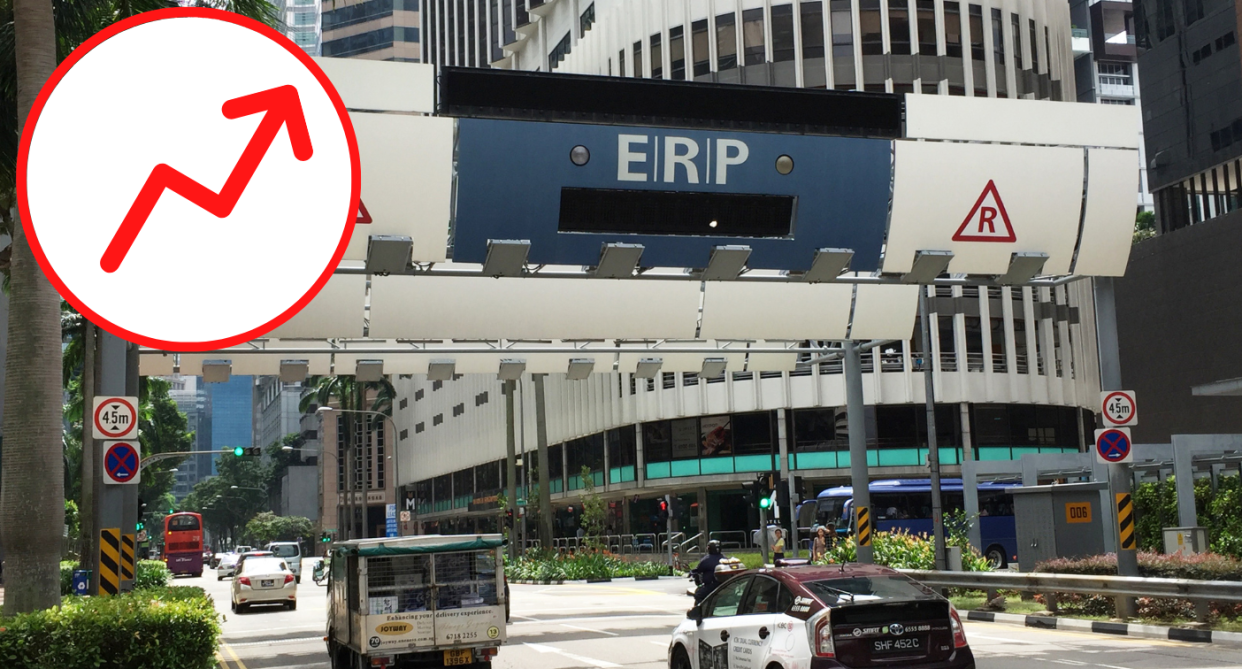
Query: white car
[
  {"x": 291, "y": 553},
  {"x": 228, "y": 564},
  {"x": 264, "y": 580}
]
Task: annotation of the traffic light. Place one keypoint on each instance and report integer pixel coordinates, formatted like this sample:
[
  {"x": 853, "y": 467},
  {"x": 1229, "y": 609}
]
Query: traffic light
[
  {"x": 663, "y": 510},
  {"x": 763, "y": 491},
  {"x": 140, "y": 526},
  {"x": 509, "y": 518},
  {"x": 247, "y": 451},
  {"x": 324, "y": 537},
  {"x": 239, "y": 451}
]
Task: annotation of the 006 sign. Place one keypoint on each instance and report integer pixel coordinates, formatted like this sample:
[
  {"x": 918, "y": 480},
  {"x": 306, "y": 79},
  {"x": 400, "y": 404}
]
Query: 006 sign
[{"x": 115, "y": 417}]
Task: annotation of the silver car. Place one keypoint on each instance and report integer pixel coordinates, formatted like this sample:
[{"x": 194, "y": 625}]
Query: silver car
[{"x": 228, "y": 564}]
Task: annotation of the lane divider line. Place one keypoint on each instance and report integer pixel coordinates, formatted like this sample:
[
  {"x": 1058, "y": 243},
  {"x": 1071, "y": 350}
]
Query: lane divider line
[{"x": 540, "y": 648}]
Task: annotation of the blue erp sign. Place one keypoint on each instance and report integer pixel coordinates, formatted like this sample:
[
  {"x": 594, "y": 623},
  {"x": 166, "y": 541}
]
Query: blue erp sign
[{"x": 570, "y": 188}]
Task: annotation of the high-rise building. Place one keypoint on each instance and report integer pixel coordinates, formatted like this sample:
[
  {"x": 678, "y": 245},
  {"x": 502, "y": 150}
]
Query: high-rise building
[
  {"x": 1105, "y": 63},
  {"x": 1179, "y": 295},
  {"x": 275, "y": 409},
  {"x": 232, "y": 406},
  {"x": 1017, "y": 367},
  {"x": 191, "y": 398},
  {"x": 371, "y": 29},
  {"x": 302, "y": 23}
]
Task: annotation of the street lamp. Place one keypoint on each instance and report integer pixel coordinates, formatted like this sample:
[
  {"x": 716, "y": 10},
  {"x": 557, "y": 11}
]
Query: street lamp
[
  {"x": 245, "y": 487},
  {"x": 324, "y": 411}
]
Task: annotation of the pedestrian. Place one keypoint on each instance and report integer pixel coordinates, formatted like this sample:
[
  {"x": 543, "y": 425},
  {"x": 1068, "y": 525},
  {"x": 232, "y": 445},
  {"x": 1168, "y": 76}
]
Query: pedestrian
[
  {"x": 778, "y": 548},
  {"x": 819, "y": 549}
]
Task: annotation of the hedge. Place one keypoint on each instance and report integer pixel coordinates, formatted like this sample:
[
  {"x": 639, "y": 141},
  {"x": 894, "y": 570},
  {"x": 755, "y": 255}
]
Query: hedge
[
  {"x": 901, "y": 550},
  {"x": 155, "y": 628},
  {"x": 151, "y": 574},
  {"x": 1155, "y": 506},
  {"x": 1207, "y": 567},
  {"x": 547, "y": 566}
]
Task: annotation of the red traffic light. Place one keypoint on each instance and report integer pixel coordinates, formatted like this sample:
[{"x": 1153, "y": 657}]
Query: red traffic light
[
  {"x": 571, "y": 509},
  {"x": 664, "y": 505}
]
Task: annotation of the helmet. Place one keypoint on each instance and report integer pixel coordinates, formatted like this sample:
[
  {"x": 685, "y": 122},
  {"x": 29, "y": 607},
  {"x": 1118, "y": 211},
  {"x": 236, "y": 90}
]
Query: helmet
[{"x": 713, "y": 547}]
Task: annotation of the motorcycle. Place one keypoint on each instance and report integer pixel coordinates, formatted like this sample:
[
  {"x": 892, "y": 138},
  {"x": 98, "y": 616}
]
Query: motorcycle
[{"x": 320, "y": 574}]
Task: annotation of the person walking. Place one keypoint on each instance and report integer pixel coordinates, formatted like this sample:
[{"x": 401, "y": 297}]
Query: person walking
[
  {"x": 819, "y": 549},
  {"x": 778, "y": 548}
]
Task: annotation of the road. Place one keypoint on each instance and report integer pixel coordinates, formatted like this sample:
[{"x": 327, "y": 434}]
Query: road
[{"x": 627, "y": 624}]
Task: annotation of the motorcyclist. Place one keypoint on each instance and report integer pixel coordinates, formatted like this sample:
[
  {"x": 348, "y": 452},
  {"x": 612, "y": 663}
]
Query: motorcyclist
[{"x": 706, "y": 571}]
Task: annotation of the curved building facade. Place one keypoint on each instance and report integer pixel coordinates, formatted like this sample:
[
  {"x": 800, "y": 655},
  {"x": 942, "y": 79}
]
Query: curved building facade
[{"x": 1016, "y": 369}]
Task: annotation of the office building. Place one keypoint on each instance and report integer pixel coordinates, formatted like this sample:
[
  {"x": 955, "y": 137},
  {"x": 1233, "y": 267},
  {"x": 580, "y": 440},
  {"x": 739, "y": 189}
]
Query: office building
[
  {"x": 371, "y": 29},
  {"x": 276, "y": 411},
  {"x": 231, "y": 420},
  {"x": 302, "y": 23}
]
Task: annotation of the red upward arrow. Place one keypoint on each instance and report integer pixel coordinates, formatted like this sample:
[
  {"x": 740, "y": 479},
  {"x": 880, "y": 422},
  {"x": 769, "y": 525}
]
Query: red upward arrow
[{"x": 281, "y": 107}]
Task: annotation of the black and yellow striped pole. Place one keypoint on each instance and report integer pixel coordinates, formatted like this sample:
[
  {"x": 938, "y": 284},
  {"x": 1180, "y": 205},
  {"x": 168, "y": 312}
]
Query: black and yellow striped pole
[
  {"x": 109, "y": 561},
  {"x": 1125, "y": 522},
  {"x": 127, "y": 561},
  {"x": 863, "y": 523}
]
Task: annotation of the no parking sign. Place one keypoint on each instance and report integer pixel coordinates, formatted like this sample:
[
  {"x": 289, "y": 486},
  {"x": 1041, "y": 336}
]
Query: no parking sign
[
  {"x": 122, "y": 463},
  {"x": 1113, "y": 446}
]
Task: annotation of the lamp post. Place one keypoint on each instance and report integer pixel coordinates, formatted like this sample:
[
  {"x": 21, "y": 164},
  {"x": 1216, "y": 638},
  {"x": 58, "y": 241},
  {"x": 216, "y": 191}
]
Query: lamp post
[{"x": 323, "y": 411}]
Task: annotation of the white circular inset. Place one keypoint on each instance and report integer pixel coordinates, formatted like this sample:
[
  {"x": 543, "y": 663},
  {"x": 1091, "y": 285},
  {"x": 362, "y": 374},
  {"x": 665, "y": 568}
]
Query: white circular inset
[{"x": 194, "y": 200}]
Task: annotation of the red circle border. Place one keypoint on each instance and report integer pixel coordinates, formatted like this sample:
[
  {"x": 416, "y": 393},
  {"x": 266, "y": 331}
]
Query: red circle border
[
  {"x": 137, "y": 456},
  {"x": 132, "y": 410},
  {"x": 77, "y": 55},
  {"x": 1133, "y": 404}
]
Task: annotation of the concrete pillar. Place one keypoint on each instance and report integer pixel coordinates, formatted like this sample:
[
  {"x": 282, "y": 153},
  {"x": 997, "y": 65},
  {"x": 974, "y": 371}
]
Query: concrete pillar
[
  {"x": 1184, "y": 475},
  {"x": 856, "y": 419}
]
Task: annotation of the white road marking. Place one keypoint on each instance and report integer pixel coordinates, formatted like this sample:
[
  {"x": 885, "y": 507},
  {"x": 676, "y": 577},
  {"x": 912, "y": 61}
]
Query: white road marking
[
  {"x": 602, "y": 664},
  {"x": 588, "y": 629},
  {"x": 275, "y": 641},
  {"x": 1073, "y": 663},
  {"x": 999, "y": 638},
  {"x": 535, "y": 621}
]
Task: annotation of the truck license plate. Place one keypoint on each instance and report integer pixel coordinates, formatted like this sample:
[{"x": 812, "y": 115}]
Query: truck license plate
[{"x": 458, "y": 656}]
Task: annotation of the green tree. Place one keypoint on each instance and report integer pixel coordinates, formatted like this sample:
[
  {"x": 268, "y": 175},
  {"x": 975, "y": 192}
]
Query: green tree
[
  {"x": 34, "y": 35},
  {"x": 593, "y": 511},
  {"x": 226, "y": 509},
  {"x": 267, "y": 527},
  {"x": 1144, "y": 226}
]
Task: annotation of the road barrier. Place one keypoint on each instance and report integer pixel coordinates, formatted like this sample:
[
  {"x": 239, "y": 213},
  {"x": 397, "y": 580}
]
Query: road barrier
[{"x": 1199, "y": 592}]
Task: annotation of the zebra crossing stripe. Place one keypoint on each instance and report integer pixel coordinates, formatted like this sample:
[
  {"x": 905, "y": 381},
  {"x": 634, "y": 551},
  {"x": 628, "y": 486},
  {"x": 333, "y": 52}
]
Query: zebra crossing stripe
[{"x": 109, "y": 561}]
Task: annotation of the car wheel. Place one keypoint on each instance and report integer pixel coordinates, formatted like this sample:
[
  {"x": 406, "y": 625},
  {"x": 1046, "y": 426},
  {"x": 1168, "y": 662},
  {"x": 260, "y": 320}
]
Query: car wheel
[
  {"x": 242, "y": 608},
  {"x": 219, "y": 577},
  {"x": 233, "y": 606},
  {"x": 298, "y": 579},
  {"x": 996, "y": 556},
  {"x": 199, "y": 574},
  {"x": 680, "y": 659},
  {"x": 292, "y": 606}
]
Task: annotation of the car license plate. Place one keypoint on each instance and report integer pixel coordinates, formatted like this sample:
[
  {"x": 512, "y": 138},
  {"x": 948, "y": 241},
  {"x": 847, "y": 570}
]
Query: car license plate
[
  {"x": 267, "y": 583},
  {"x": 458, "y": 656},
  {"x": 903, "y": 645}
]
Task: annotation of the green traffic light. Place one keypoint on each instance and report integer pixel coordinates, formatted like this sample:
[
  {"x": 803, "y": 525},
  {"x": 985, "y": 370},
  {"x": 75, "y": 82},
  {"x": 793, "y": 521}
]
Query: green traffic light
[
  {"x": 765, "y": 503},
  {"x": 140, "y": 526},
  {"x": 239, "y": 451}
]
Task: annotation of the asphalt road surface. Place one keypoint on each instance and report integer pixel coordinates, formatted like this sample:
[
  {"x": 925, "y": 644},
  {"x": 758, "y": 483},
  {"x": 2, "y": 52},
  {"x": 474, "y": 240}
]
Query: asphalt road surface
[{"x": 627, "y": 624}]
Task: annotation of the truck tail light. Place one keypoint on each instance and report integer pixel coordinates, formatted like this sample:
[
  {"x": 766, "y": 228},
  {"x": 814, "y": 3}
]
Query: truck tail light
[
  {"x": 820, "y": 628},
  {"x": 959, "y": 631},
  {"x": 244, "y": 580}
]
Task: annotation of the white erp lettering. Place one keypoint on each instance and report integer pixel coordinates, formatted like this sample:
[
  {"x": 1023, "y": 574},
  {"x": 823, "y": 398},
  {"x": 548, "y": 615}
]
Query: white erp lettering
[
  {"x": 724, "y": 160},
  {"x": 625, "y": 157},
  {"x": 672, "y": 159}
]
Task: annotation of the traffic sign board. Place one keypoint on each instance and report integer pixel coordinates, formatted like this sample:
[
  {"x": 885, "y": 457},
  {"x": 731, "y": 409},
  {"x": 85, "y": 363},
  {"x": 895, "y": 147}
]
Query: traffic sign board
[
  {"x": 115, "y": 417},
  {"x": 987, "y": 221},
  {"x": 122, "y": 464},
  {"x": 1119, "y": 408},
  {"x": 1113, "y": 446}
]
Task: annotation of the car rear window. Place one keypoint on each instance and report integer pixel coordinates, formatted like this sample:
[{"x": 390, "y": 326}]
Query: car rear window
[
  {"x": 263, "y": 565},
  {"x": 285, "y": 551},
  {"x": 867, "y": 588}
]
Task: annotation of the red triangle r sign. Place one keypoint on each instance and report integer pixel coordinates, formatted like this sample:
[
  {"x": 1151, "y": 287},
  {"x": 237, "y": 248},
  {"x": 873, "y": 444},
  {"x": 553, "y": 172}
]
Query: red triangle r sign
[
  {"x": 987, "y": 221},
  {"x": 363, "y": 215}
]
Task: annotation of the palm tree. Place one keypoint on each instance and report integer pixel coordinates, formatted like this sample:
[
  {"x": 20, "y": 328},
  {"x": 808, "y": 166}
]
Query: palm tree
[
  {"x": 34, "y": 34},
  {"x": 348, "y": 393}
]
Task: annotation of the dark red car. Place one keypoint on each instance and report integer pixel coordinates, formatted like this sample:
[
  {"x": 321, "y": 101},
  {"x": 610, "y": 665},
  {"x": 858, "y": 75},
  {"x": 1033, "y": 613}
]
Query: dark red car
[{"x": 839, "y": 616}]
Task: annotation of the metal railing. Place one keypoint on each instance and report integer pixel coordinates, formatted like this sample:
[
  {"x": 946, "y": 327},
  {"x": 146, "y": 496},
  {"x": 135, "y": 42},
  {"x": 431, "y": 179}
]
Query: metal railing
[
  {"x": 735, "y": 539},
  {"x": 1049, "y": 585},
  {"x": 999, "y": 363}
]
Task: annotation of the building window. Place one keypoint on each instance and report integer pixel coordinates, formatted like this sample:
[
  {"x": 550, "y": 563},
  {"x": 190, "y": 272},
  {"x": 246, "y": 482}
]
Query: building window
[
  {"x": 927, "y": 27},
  {"x": 1194, "y": 10},
  {"x": 782, "y": 33},
  {"x": 459, "y": 409},
  {"x": 418, "y": 394},
  {"x": 657, "y": 58},
  {"x": 1015, "y": 25},
  {"x": 952, "y": 29},
  {"x": 677, "y": 52},
  {"x": 1115, "y": 74},
  {"x": 871, "y": 27},
  {"x": 812, "y": 30},
  {"x": 436, "y": 385},
  {"x": 998, "y": 40},
  {"x": 699, "y": 48},
  {"x": 419, "y": 427},
  {"x": 621, "y": 63},
  {"x": 437, "y": 419},
  {"x": 752, "y": 36},
  {"x": 899, "y": 27},
  {"x": 405, "y": 402},
  {"x": 480, "y": 399},
  {"x": 638, "y": 59},
  {"x": 1034, "y": 46},
  {"x": 842, "y": 44},
  {"x": 587, "y": 19},
  {"x": 726, "y": 42},
  {"x": 559, "y": 51},
  {"x": 976, "y": 34}
]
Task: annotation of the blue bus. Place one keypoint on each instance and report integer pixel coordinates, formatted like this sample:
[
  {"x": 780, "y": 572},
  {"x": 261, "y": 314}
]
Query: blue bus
[{"x": 906, "y": 504}]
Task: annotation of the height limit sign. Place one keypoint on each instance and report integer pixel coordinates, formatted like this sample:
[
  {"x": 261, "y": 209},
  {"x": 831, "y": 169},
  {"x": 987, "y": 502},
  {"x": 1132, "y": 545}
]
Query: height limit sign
[
  {"x": 1118, "y": 408},
  {"x": 115, "y": 418}
]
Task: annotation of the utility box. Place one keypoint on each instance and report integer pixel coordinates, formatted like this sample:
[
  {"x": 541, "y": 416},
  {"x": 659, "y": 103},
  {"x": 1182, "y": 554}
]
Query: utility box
[
  {"x": 1058, "y": 521},
  {"x": 1185, "y": 540}
]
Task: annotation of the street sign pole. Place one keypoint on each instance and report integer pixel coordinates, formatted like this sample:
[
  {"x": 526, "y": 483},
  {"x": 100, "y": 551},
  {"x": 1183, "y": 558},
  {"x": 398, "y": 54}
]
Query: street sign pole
[
  {"x": 855, "y": 417},
  {"x": 511, "y": 466},
  {"x": 1110, "y": 379},
  {"x": 110, "y": 500},
  {"x": 129, "y": 493}
]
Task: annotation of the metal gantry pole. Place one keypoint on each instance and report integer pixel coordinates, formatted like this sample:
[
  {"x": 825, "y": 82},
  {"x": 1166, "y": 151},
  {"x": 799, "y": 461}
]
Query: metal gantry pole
[
  {"x": 933, "y": 450},
  {"x": 89, "y": 456},
  {"x": 859, "y": 477},
  {"x": 545, "y": 482},
  {"x": 1119, "y": 478},
  {"x": 511, "y": 466}
]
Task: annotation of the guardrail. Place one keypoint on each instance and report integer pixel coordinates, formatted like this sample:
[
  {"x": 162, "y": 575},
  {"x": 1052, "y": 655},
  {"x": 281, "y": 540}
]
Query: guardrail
[{"x": 1049, "y": 585}]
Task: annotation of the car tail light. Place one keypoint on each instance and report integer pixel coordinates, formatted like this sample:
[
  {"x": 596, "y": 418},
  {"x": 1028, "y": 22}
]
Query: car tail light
[
  {"x": 959, "y": 632},
  {"x": 820, "y": 628},
  {"x": 288, "y": 579},
  {"x": 245, "y": 580}
]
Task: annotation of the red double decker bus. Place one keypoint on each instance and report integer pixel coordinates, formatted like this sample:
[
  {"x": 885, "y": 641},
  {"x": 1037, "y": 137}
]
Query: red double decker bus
[{"x": 183, "y": 543}]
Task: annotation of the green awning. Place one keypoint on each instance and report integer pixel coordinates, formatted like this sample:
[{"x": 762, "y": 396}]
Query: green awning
[{"x": 381, "y": 550}]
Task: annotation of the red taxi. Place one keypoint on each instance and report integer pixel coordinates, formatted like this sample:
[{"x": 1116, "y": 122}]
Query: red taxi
[{"x": 821, "y": 617}]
